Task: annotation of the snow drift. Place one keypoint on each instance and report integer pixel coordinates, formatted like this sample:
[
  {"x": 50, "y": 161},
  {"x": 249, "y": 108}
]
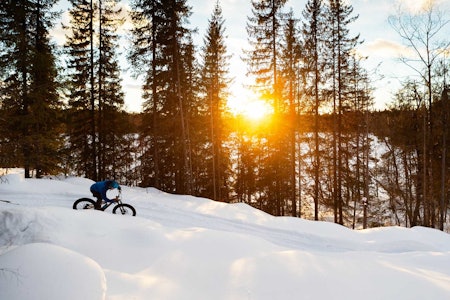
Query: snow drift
[{"x": 182, "y": 247}]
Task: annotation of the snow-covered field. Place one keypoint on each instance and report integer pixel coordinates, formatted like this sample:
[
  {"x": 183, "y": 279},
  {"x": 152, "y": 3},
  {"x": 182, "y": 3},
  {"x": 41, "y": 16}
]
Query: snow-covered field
[{"x": 182, "y": 247}]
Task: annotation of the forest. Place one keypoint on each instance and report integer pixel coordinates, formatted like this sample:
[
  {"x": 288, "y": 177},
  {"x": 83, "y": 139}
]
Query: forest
[{"x": 323, "y": 153}]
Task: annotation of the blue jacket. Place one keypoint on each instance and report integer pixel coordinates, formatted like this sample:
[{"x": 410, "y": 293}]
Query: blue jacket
[{"x": 102, "y": 187}]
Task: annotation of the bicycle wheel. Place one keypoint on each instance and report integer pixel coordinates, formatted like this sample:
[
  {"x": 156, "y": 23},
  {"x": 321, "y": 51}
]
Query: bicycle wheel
[
  {"x": 84, "y": 203},
  {"x": 124, "y": 209}
]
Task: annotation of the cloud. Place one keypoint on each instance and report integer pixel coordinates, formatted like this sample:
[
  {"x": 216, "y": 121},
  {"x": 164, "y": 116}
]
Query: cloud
[
  {"x": 417, "y": 6},
  {"x": 385, "y": 49}
]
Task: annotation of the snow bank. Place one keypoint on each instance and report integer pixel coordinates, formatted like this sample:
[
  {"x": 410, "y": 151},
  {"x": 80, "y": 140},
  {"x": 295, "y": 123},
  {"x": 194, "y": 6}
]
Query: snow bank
[
  {"x": 182, "y": 247},
  {"x": 44, "y": 271}
]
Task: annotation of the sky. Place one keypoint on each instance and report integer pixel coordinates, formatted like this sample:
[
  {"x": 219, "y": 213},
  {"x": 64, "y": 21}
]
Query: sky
[
  {"x": 381, "y": 44},
  {"x": 183, "y": 247}
]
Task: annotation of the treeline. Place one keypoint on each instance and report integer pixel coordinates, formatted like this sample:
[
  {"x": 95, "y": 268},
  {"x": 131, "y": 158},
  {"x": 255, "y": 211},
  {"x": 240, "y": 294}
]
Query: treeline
[{"x": 322, "y": 154}]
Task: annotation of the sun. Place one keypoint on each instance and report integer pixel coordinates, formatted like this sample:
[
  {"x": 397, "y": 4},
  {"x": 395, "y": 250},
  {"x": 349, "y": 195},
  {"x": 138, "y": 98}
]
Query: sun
[
  {"x": 251, "y": 108},
  {"x": 257, "y": 110}
]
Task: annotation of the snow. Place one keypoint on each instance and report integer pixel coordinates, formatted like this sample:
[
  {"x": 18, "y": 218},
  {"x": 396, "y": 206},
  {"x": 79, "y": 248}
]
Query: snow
[{"x": 183, "y": 247}]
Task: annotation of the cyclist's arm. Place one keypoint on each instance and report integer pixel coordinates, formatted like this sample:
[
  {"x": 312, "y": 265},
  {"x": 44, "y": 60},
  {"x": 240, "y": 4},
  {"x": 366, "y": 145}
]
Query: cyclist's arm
[{"x": 104, "y": 197}]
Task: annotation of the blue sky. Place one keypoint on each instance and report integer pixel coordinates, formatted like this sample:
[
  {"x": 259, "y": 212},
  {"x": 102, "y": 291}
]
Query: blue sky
[{"x": 381, "y": 44}]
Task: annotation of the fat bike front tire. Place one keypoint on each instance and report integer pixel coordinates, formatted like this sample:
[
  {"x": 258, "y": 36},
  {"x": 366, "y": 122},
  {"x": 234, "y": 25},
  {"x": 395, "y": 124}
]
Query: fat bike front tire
[
  {"x": 124, "y": 209},
  {"x": 84, "y": 203}
]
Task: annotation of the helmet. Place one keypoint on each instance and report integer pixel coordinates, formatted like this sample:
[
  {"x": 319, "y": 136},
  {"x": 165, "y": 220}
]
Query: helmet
[{"x": 114, "y": 185}]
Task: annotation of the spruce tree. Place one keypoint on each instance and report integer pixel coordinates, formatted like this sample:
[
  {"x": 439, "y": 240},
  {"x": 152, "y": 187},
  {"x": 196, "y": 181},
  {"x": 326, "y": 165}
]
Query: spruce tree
[
  {"x": 339, "y": 45},
  {"x": 313, "y": 40},
  {"x": 290, "y": 69},
  {"x": 265, "y": 31},
  {"x": 81, "y": 118},
  {"x": 146, "y": 58},
  {"x": 214, "y": 84},
  {"x": 160, "y": 38},
  {"x": 29, "y": 90},
  {"x": 111, "y": 124},
  {"x": 94, "y": 88}
]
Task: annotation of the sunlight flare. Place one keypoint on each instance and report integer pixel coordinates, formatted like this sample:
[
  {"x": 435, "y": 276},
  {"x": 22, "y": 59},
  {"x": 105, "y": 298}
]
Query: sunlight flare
[{"x": 252, "y": 107}]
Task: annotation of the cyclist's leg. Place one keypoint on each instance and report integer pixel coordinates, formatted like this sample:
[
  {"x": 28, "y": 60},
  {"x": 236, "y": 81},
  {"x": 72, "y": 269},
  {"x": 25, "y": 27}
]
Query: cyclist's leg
[{"x": 98, "y": 204}]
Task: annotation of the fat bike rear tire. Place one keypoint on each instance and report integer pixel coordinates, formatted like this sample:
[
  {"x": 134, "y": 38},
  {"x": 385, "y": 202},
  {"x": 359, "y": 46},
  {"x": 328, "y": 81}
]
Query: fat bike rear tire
[
  {"x": 124, "y": 209},
  {"x": 84, "y": 203}
]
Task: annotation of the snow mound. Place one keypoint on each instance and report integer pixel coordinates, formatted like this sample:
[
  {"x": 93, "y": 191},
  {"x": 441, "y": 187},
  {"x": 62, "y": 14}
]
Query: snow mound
[
  {"x": 18, "y": 227},
  {"x": 184, "y": 247},
  {"x": 45, "y": 271},
  {"x": 13, "y": 179}
]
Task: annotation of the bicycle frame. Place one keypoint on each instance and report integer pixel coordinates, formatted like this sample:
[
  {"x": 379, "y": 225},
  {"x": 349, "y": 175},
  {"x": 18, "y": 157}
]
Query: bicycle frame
[{"x": 108, "y": 204}]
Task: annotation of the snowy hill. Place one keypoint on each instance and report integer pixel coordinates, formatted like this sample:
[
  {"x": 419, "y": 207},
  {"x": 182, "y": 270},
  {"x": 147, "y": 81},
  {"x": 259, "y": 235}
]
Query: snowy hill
[{"x": 182, "y": 247}]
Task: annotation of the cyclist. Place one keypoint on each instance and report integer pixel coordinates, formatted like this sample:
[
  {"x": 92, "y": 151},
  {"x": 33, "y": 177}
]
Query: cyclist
[{"x": 99, "y": 190}]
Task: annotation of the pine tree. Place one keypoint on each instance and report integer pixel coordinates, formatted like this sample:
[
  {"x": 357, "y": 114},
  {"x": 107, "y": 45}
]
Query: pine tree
[
  {"x": 195, "y": 138},
  {"x": 313, "y": 40},
  {"x": 214, "y": 87},
  {"x": 290, "y": 68},
  {"x": 81, "y": 122},
  {"x": 44, "y": 98},
  {"x": 110, "y": 95},
  {"x": 95, "y": 95},
  {"x": 160, "y": 38},
  {"x": 29, "y": 91},
  {"x": 265, "y": 31},
  {"x": 357, "y": 124},
  {"x": 339, "y": 45},
  {"x": 146, "y": 58}
]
